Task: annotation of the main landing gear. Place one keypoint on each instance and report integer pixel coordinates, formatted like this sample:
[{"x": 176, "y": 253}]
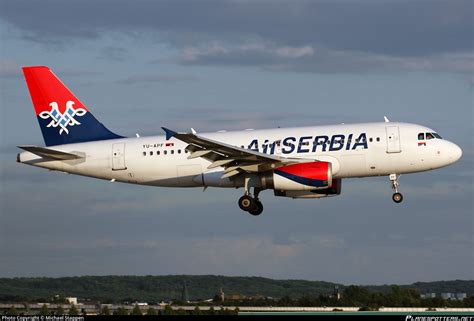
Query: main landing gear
[
  {"x": 396, "y": 197},
  {"x": 249, "y": 203}
]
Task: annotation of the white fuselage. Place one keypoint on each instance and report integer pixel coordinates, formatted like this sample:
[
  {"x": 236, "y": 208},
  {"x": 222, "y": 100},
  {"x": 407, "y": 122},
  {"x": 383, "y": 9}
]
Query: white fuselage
[{"x": 383, "y": 149}]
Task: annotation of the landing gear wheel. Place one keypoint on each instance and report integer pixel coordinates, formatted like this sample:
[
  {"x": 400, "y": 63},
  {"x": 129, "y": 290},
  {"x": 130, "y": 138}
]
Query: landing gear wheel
[
  {"x": 397, "y": 197},
  {"x": 257, "y": 208},
  {"x": 246, "y": 202}
]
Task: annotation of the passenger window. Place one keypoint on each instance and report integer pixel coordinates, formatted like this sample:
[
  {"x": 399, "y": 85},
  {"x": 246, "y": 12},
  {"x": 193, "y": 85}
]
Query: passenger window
[
  {"x": 144, "y": 153},
  {"x": 172, "y": 151},
  {"x": 158, "y": 153},
  {"x": 165, "y": 152},
  {"x": 179, "y": 151},
  {"x": 429, "y": 136},
  {"x": 371, "y": 139},
  {"x": 421, "y": 136},
  {"x": 378, "y": 139},
  {"x": 151, "y": 153}
]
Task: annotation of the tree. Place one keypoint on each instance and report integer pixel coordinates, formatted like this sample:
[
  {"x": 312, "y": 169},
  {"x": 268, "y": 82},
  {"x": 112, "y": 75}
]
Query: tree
[
  {"x": 73, "y": 310},
  {"x": 285, "y": 301},
  {"x": 151, "y": 311},
  {"x": 60, "y": 310},
  {"x": 168, "y": 310},
  {"x": 356, "y": 295},
  {"x": 180, "y": 311},
  {"x": 211, "y": 311},
  {"x": 197, "y": 311},
  {"x": 121, "y": 311},
  {"x": 44, "y": 310},
  {"x": 12, "y": 311},
  {"x": 105, "y": 310},
  {"x": 136, "y": 310}
]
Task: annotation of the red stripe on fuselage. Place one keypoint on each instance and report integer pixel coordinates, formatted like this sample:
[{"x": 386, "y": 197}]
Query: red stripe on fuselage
[{"x": 313, "y": 170}]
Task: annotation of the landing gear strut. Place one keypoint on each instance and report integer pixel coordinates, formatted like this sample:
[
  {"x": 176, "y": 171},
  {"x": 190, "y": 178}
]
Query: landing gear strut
[
  {"x": 249, "y": 203},
  {"x": 396, "y": 197}
]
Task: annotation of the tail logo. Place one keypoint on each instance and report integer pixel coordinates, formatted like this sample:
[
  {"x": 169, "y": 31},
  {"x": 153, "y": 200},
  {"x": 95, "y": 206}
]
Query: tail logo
[{"x": 63, "y": 120}]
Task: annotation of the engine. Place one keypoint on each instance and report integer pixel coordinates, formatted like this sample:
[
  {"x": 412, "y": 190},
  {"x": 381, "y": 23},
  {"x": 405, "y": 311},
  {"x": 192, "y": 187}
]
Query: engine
[
  {"x": 334, "y": 190},
  {"x": 303, "y": 177}
]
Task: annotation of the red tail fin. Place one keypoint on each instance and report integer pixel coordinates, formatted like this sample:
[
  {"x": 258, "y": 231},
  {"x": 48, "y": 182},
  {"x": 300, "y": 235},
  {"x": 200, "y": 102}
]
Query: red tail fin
[{"x": 63, "y": 118}]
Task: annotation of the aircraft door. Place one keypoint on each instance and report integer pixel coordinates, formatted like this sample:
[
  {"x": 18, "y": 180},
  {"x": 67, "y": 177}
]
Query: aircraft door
[
  {"x": 393, "y": 139},
  {"x": 118, "y": 157}
]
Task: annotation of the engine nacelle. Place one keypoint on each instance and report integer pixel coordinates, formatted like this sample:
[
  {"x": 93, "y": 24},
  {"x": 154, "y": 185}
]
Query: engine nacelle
[
  {"x": 303, "y": 177},
  {"x": 334, "y": 190}
]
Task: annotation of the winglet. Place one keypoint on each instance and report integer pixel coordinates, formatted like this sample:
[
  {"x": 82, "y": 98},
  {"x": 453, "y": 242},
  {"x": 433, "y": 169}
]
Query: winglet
[
  {"x": 386, "y": 119},
  {"x": 169, "y": 133}
]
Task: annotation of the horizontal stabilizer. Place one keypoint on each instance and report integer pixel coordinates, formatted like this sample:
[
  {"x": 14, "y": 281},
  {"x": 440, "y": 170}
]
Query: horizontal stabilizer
[{"x": 49, "y": 153}]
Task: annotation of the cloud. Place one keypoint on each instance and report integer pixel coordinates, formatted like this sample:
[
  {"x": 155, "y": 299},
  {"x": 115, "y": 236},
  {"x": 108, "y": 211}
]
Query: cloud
[
  {"x": 322, "y": 36},
  {"x": 243, "y": 53},
  {"x": 115, "y": 53},
  {"x": 9, "y": 69},
  {"x": 319, "y": 60},
  {"x": 140, "y": 79},
  {"x": 292, "y": 52}
]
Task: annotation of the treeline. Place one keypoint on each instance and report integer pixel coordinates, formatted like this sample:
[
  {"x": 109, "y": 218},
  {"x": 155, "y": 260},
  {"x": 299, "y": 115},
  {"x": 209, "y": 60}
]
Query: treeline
[
  {"x": 152, "y": 289},
  {"x": 357, "y": 296},
  {"x": 117, "y": 289}
]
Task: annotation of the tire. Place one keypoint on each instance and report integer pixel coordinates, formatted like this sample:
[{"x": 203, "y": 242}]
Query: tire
[
  {"x": 246, "y": 203},
  {"x": 257, "y": 209},
  {"x": 397, "y": 197}
]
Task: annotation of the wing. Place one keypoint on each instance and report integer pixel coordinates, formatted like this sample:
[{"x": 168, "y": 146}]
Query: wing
[{"x": 233, "y": 159}]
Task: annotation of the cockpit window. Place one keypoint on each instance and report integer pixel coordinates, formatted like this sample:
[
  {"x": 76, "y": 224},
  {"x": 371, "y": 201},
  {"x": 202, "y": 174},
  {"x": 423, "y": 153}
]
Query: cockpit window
[
  {"x": 437, "y": 136},
  {"x": 421, "y": 136},
  {"x": 429, "y": 136}
]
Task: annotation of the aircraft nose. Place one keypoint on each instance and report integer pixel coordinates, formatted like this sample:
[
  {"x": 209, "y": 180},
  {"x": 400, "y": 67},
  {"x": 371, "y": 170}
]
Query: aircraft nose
[{"x": 455, "y": 152}]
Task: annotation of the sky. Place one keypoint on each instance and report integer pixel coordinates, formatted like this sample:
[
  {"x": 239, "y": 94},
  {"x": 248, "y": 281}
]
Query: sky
[{"x": 222, "y": 65}]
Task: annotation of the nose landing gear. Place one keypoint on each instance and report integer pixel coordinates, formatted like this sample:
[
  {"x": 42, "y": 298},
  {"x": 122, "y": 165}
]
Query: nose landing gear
[{"x": 396, "y": 197}]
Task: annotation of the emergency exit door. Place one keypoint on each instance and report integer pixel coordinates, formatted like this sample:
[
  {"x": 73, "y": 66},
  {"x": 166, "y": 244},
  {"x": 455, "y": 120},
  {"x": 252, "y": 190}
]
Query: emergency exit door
[
  {"x": 393, "y": 139},
  {"x": 118, "y": 157}
]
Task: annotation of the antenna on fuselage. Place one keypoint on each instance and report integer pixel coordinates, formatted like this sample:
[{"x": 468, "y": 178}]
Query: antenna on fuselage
[{"x": 386, "y": 119}]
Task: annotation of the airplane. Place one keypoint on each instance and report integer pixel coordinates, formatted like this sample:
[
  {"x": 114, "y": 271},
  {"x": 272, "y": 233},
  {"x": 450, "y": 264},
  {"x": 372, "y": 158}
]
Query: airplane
[{"x": 299, "y": 163}]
